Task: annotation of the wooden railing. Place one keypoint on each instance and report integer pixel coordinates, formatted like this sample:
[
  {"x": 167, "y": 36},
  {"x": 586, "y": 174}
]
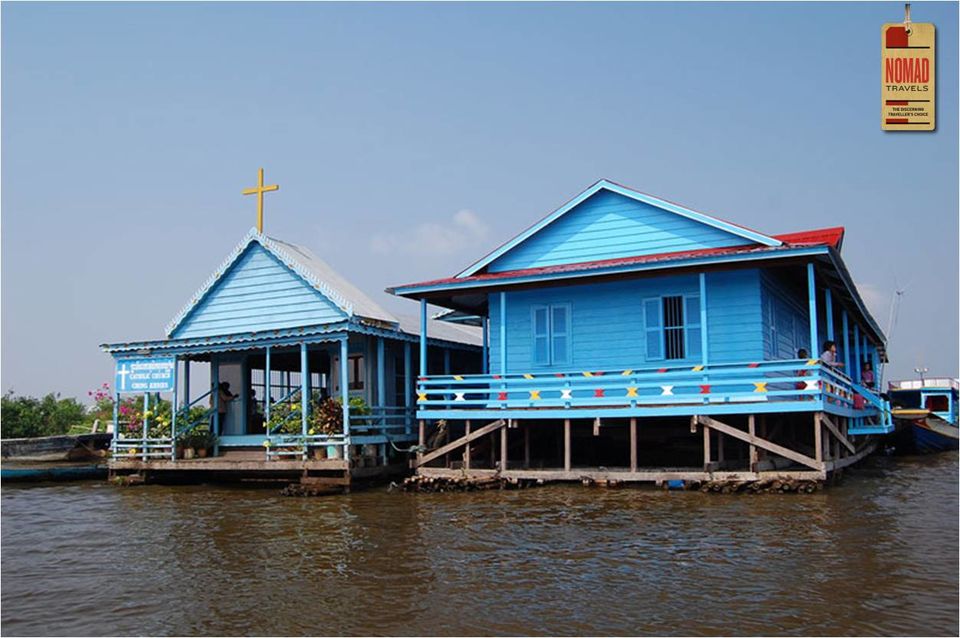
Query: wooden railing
[{"x": 684, "y": 389}]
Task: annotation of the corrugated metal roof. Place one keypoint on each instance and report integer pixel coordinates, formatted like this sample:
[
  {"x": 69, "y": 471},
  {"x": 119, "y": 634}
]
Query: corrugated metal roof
[
  {"x": 439, "y": 329},
  {"x": 361, "y": 304}
]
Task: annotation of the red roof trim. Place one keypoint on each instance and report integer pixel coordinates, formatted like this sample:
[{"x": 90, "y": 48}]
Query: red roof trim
[{"x": 831, "y": 237}]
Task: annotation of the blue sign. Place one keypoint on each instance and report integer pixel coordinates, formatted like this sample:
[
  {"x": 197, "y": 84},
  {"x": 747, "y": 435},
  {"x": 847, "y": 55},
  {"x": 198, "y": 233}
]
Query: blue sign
[{"x": 146, "y": 375}]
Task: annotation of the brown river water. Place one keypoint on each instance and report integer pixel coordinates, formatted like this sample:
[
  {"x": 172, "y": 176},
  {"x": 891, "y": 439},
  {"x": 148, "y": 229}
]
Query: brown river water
[{"x": 875, "y": 554}]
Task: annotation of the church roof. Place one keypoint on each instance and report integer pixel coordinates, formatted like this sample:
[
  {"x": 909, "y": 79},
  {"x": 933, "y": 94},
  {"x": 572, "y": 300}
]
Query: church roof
[{"x": 315, "y": 271}]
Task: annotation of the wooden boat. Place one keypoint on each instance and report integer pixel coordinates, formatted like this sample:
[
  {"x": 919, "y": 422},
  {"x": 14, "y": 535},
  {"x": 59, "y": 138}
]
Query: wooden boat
[
  {"x": 54, "y": 458},
  {"x": 926, "y": 414}
]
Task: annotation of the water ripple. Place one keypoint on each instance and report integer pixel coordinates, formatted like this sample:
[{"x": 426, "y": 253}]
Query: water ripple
[{"x": 876, "y": 554}]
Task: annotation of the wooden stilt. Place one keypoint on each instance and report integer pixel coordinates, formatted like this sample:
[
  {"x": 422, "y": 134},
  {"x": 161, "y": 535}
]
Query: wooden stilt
[
  {"x": 633, "y": 444},
  {"x": 719, "y": 449},
  {"x": 706, "y": 449},
  {"x": 751, "y": 428},
  {"x": 422, "y": 439},
  {"x": 526, "y": 446},
  {"x": 466, "y": 449},
  {"x": 503, "y": 448},
  {"x": 817, "y": 438},
  {"x": 566, "y": 445},
  {"x": 770, "y": 446}
]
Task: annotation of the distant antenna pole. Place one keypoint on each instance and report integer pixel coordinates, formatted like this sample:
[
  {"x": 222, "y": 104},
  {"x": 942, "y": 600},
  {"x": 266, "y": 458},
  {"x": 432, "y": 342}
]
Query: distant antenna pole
[{"x": 921, "y": 372}]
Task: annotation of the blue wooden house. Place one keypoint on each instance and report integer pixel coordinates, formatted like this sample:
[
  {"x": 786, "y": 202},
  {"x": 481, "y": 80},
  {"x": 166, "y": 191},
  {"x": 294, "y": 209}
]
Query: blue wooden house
[
  {"x": 631, "y": 338},
  {"x": 279, "y": 325}
]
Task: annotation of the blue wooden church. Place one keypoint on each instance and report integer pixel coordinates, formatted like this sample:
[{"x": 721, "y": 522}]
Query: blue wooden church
[
  {"x": 288, "y": 334},
  {"x": 631, "y": 338}
]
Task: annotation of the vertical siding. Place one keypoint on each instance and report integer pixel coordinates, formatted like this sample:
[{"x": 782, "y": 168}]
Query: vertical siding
[
  {"x": 607, "y": 226},
  {"x": 258, "y": 293},
  {"x": 734, "y": 323},
  {"x": 786, "y": 322},
  {"x": 608, "y": 324}
]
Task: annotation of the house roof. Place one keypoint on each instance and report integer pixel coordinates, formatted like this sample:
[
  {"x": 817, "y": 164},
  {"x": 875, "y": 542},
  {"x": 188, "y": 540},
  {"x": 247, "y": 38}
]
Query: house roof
[
  {"x": 604, "y": 184},
  {"x": 307, "y": 265},
  {"x": 826, "y": 237}
]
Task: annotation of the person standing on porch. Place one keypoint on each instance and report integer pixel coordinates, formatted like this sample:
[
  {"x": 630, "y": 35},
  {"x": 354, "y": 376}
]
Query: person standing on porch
[
  {"x": 225, "y": 398},
  {"x": 829, "y": 355}
]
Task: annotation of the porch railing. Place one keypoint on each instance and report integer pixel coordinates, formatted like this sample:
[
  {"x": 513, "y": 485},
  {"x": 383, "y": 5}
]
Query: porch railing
[{"x": 682, "y": 387}]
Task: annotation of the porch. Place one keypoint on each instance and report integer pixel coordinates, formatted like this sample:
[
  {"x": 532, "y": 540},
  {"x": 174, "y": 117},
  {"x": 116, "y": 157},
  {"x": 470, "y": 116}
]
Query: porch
[{"x": 763, "y": 387}]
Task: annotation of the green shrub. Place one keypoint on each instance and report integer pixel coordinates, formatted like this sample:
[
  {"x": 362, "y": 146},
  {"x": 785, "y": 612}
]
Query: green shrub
[{"x": 22, "y": 417}]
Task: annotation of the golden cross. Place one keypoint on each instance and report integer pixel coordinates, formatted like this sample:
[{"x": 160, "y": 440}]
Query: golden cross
[{"x": 259, "y": 190}]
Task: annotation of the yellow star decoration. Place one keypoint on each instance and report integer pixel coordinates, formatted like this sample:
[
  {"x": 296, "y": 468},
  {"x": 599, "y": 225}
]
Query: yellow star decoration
[
  {"x": 421, "y": 397},
  {"x": 458, "y": 377},
  {"x": 631, "y": 391},
  {"x": 812, "y": 362},
  {"x": 588, "y": 374},
  {"x": 627, "y": 373},
  {"x": 697, "y": 368},
  {"x": 534, "y": 395},
  {"x": 528, "y": 376},
  {"x": 761, "y": 386}
]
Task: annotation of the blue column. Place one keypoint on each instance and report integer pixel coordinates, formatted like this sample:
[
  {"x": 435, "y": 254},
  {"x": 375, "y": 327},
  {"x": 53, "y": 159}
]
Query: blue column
[
  {"x": 215, "y": 390},
  {"x": 186, "y": 383},
  {"x": 173, "y": 412},
  {"x": 423, "y": 337},
  {"x": 503, "y": 333},
  {"x": 381, "y": 374},
  {"x": 146, "y": 423},
  {"x": 267, "y": 400},
  {"x": 345, "y": 395},
  {"x": 485, "y": 327},
  {"x": 705, "y": 357},
  {"x": 875, "y": 361},
  {"x": 829, "y": 308},
  {"x": 812, "y": 302},
  {"x": 116, "y": 422},
  {"x": 407, "y": 385},
  {"x": 855, "y": 371},
  {"x": 304, "y": 390},
  {"x": 846, "y": 344}
]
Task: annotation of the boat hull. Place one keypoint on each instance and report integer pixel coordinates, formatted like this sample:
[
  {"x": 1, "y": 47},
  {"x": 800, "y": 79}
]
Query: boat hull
[
  {"x": 926, "y": 435},
  {"x": 55, "y": 448},
  {"x": 38, "y": 472}
]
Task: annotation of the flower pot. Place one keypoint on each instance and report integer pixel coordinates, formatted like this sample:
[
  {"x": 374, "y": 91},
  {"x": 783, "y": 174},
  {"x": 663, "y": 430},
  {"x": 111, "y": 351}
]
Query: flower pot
[
  {"x": 188, "y": 453},
  {"x": 201, "y": 452}
]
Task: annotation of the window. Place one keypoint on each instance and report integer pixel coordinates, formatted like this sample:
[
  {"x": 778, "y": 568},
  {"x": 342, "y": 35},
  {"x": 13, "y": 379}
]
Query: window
[
  {"x": 672, "y": 327},
  {"x": 551, "y": 334},
  {"x": 355, "y": 371}
]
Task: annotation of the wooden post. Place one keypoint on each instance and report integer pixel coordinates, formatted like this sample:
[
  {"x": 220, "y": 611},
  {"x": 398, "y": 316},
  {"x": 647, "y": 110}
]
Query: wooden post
[
  {"x": 706, "y": 449},
  {"x": 751, "y": 428},
  {"x": 422, "y": 439},
  {"x": 566, "y": 445},
  {"x": 215, "y": 383},
  {"x": 466, "y": 449},
  {"x": 526, "y": 446},
  {"x": 633, "y": 444},
  {"x": 503, "y": 447},
  {"x": 719, "y": 448},
  {"x": 817, "y": 437},
  {"x": 493, "y": 451}
]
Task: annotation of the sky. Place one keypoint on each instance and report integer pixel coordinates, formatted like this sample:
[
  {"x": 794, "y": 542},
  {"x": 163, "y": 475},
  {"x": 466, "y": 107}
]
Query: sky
[{"x": 410, "y": 139}]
